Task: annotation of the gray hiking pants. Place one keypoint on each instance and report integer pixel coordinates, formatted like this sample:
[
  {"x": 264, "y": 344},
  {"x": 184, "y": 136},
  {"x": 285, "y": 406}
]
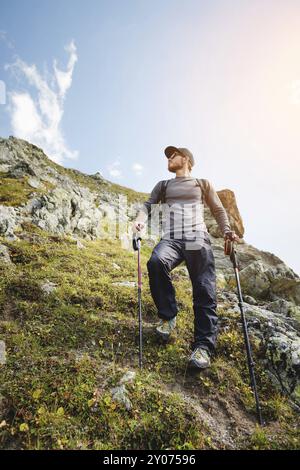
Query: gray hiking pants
[{"x": 168, "y": 254}]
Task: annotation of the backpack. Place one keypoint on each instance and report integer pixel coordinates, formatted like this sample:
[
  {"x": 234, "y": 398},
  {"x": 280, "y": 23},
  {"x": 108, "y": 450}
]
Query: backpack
[{"x": 163, "y": 190}]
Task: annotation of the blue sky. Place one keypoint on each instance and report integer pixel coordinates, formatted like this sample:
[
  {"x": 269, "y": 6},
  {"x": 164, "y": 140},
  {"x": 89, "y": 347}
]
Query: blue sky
[{"x": 107, "y": 85}]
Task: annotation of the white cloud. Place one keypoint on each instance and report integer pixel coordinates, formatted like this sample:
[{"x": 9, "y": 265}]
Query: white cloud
[
  {"x": 25, "y": 114},
  {"x": 2, "y": 92},
  {"x": 3, "y": 37},
  {"x": 114, "y": 171},
  {"x": 38, "y": 119},
  {"x": 64, "y": 78},
  {"x": 137, "y": 168}
]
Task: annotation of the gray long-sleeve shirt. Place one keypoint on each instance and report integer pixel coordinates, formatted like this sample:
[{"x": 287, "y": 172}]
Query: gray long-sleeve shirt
[{"x": 183, "y": 209}]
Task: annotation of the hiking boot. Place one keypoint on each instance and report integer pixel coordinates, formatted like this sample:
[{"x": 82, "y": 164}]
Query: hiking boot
[
  {"x": 200, "y": 358},
  {"x": 165, "y": 327}
]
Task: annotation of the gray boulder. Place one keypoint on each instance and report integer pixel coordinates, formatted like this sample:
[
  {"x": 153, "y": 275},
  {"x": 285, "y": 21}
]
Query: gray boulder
[
  {"x": 4, "y": 254},
  {"x": 9, "y": 219},
  {"x": 280, "y": 342}
]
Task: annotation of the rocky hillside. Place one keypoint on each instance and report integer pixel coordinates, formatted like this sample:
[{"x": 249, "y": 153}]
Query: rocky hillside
[{"x": 69, "y": 333}]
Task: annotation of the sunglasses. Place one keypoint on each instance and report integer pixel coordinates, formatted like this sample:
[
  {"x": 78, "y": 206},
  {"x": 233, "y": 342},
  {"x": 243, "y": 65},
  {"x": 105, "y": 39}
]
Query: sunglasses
[{"x": 175, "y": 155}]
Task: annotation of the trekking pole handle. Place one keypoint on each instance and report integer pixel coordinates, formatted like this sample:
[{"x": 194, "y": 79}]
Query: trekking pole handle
[
  {"x": 228, "y": 247},
  {"x": 230, "y": 251},
  {"x": 230, "y": 237},
  {"x": 135, "y": 241}
]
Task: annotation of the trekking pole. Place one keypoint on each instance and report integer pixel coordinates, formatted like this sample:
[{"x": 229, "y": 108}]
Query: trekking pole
[
  {"x": 229, "y": 250},
  {"x": 136, "y": 243}
]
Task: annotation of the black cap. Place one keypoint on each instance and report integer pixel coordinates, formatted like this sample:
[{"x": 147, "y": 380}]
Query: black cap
[{"x": 183, "y": 151}]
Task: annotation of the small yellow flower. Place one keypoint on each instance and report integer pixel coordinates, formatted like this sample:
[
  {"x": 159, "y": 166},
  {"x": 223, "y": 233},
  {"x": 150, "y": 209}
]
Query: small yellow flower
[{"x": 24, "y": 427}]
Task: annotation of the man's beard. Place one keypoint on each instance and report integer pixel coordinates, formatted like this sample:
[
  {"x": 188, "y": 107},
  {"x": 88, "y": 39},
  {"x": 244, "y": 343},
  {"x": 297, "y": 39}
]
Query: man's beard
[{"x": 173, "y": 168}]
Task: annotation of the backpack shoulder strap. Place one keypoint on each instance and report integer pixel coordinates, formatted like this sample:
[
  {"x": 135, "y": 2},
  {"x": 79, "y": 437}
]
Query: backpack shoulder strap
[
  {"x": 163, "y": 191},
  {"x": 203, "y": 187},
  {"x": 200, "y": 182}
]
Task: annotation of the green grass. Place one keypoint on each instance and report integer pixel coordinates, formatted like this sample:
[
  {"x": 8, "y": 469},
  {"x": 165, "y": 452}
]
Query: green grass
[
  {"x": 17, "y": 191},
  {"x": 65, "y": 350}
]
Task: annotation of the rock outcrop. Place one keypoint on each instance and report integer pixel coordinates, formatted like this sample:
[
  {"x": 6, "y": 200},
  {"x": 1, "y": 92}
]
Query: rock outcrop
[
  {"x": 67, "y": 202},
  {"x": 61, "y": 204}
]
